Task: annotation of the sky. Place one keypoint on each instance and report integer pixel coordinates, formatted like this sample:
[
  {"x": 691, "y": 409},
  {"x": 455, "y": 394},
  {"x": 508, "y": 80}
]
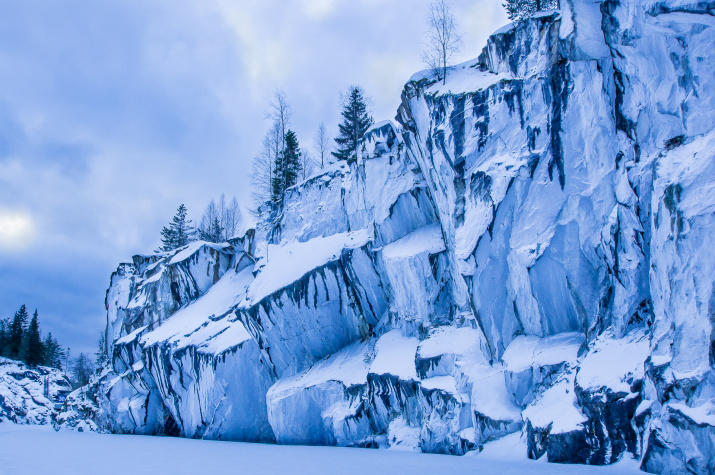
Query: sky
[{"x": 112, "y": 113}]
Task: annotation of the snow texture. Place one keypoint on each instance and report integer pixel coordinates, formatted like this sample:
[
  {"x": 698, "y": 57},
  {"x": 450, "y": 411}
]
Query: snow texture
[{"x": 69, "y": 453}]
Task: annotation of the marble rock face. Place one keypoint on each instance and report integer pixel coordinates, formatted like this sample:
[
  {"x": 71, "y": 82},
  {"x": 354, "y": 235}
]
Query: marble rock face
[{"x": 526, "y": 250}]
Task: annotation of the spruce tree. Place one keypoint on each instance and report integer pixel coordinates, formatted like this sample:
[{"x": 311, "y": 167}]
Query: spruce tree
[
  {"x": 34, "y": 354},
  {"x": 287, "y": 168},
  {"x": 212, "y": 233},
  {"x": 4, "y": 335},
  {"x": 179, "y": 233},
  {"x": 53, "y": 352},
  {"x": 356, "y": 121},
  {"x": 17, "y": 332},
  {"x": 101, "y": 355},
  {"x": 81, "y": 370}
]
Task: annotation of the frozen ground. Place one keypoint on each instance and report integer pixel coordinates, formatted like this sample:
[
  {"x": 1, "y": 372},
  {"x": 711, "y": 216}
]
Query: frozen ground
[{"x": 39, "y": 450}]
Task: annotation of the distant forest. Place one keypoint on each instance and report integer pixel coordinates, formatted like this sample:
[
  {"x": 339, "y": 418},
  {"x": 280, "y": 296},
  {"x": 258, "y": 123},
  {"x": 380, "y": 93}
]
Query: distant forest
[{"x": 21, "y": 340}]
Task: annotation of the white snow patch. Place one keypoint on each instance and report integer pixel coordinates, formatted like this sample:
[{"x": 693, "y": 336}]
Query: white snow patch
[
  {"x": 377, "y": 125},
  {"x": 702, "y": 414},
  {"x": 489, "y": 395},
  {"x": 348, "y": 366},
  {"x": 131, "y": 337},
  {"x": 613, "y": 362},
  {"x": 450, "y": 340},
  {"x": 558, "y": 405},
  {"x": 567, "y": 23},
  {"x": 288, "y": 262},
  {"x": 526, "y": 351},
  {"x": 192, "y": 248},
  {"x": 643, "y": 406},
  {"x": 425, "y": 239},
  {"x": 465, "y": 77},
  {"x": 443, "y": 383},
  {"x": 201, "y": 322},
  {"x": 395, "y": 355},
  {"x": 402, "y": 436},
  {"x": 504, "y": 29}
]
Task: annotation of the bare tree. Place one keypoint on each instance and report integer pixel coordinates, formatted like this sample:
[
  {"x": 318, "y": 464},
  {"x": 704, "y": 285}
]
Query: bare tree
[
  {"x": 321, "y": 143},
  {"x": 307, "y": 164},
  {"x": 209, "y": 226},
  {"x": 232, "y": 219},
  {"x": 263, "y": 168},
  {"x": 220, "y": 222},
  {"x": 443, "y": 41},
  {"x": 280, "y": 113}
]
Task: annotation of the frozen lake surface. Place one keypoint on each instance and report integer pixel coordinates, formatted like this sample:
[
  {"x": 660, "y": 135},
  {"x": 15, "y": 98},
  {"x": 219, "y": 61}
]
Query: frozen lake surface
[{"x": 41, "y": 450}]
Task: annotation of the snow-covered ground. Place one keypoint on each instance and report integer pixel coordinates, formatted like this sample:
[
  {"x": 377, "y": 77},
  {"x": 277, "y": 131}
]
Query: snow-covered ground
[{"x": 39, "y": 449}]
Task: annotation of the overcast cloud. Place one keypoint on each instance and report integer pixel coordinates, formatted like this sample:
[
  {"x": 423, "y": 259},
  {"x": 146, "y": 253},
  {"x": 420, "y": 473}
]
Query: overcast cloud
[{"x": 112, "y": 113}]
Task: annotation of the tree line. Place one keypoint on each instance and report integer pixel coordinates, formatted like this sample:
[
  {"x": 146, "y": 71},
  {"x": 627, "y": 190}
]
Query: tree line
[
  {"x": 220, "y": 222},
  {"x": 282, "y": 161},
  {"x": 21, "y": 340}
]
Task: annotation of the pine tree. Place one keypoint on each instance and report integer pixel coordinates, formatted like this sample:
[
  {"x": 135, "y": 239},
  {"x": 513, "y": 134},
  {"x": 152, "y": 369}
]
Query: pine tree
[
  {"x": 17, "y": 332},
  {"x": 287, "y": 167},
  {"x": 521, "y": 9},
  {"x": 213, "y": 232},
  {"x": 356, "y": 121},
  {"x": 34, "y": 354},
  {"x": 4, "y": 336},
  {"x": 220, "y": 222},
  {"x": 179, "y": 233},
  {"x": 53, "y": 352},
  {"x": 82, "y": 370},
  {"x": 101, "y": 355}
]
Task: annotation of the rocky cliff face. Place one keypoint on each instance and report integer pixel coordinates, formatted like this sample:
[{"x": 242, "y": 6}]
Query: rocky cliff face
[
  {"x": 525, "y": 253},
  {"x": 31, "y": 395}
]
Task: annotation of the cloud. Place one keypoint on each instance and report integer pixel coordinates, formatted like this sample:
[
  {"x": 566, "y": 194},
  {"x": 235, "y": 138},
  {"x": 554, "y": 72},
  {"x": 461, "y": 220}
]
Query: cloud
[
  {"x": 17, "y": 230},
  {"x": 318, "y": 9}
]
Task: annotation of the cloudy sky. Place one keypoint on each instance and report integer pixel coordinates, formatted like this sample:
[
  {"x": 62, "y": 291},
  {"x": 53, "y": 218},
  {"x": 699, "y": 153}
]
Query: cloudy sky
[{"x": 114, "y": 112}]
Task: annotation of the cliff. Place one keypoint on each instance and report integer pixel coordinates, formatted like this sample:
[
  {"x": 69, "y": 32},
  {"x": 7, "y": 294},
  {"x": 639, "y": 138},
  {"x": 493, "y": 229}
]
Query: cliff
[{"x": 525, "y": 252}]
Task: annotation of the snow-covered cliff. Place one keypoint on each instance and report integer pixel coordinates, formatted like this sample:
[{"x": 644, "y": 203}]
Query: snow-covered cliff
[
  {"x": 30, "y": 395},
  {"x": 526, "y": 252}
]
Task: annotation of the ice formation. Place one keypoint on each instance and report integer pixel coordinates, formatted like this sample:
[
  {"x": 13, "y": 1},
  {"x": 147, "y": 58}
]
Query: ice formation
[{"x": 527, "y": 251}]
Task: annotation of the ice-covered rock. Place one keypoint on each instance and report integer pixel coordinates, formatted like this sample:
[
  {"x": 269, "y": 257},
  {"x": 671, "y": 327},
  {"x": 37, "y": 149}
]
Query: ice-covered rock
[
  {"x": 532, "y": 363},
  {"x": 30, "y": 395},
  {"x": 525, "y": 256}
]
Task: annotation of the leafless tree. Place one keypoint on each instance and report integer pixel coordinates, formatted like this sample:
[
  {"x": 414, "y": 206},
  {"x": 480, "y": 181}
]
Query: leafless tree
[
  {"x": 221, "y": 221},
  {"x": 280, "y": 113},
  {"x": 263, "y": 166},
  {"x": 230, "y": 217},
  {"x": 307, "y": 164},
  {"x": 321, "y": 142},
  {"x": 443, "y": 40}
]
